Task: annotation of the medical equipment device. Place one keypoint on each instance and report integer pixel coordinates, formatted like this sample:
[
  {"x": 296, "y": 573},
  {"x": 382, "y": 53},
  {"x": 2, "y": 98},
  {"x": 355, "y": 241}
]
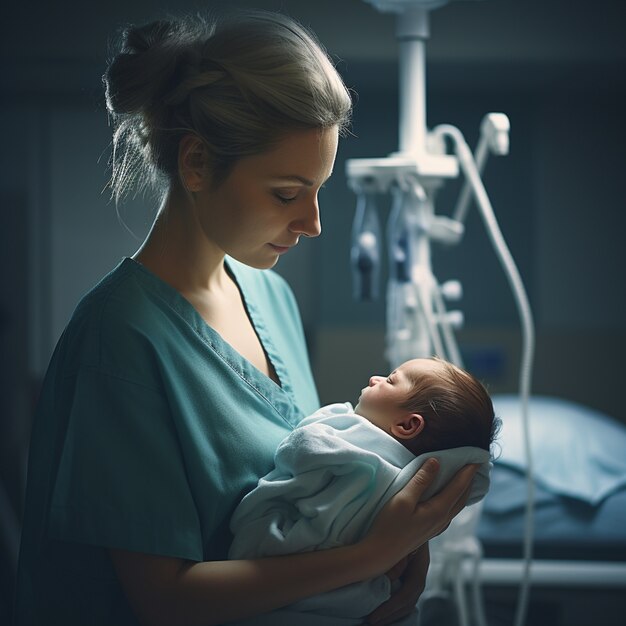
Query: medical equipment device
[{"x": 418, "y": 321}]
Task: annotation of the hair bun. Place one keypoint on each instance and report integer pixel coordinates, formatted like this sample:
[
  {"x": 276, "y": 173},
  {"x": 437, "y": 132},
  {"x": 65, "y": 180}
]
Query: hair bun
[
  {"x": 142, "y": 38},
  {"x": 137, "y": 77}
]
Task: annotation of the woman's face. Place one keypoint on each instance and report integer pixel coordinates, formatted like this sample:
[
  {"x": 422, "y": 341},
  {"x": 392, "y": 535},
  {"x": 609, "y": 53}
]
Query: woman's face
[{"x": 270, "y": 200}]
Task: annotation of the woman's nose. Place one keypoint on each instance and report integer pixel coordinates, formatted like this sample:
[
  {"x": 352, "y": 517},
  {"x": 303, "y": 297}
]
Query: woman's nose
[
  {"x": 374, "y": 380},
  {"x": 308, "y": 224}
]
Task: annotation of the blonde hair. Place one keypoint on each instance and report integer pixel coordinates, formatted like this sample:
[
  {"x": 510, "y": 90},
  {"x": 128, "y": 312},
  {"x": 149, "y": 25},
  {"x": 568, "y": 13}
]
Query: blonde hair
[
  {"x": 456, "y": 408},
  {"x": 239, "y": 83}
]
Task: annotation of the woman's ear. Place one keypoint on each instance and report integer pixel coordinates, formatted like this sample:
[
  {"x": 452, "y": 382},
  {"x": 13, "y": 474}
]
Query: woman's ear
[
  {"x": 193, "y": 163},
  {"x": 408, "y": 426}
]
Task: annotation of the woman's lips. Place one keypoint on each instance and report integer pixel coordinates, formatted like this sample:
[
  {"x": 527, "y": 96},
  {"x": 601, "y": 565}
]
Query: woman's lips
[{"x": 280, "y": 249}]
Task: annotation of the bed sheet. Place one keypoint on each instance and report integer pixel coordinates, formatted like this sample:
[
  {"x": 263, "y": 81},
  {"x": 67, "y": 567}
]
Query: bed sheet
[{"x": 564, "y": 528}]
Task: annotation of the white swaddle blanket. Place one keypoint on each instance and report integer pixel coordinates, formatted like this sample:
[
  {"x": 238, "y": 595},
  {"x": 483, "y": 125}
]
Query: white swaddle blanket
[{"x": 332, "y": 474}]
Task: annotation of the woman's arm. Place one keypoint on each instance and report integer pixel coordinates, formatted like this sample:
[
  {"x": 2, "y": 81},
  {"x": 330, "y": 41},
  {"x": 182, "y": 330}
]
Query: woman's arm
[{"x": 173, "y": 592}]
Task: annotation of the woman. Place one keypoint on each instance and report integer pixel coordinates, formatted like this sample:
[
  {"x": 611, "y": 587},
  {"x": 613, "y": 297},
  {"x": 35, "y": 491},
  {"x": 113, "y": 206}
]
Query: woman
[{"x": 181, "y": 370}]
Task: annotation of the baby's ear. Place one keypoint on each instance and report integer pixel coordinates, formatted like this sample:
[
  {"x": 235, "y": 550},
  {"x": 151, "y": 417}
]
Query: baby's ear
[{"x": 408, "y": 426}]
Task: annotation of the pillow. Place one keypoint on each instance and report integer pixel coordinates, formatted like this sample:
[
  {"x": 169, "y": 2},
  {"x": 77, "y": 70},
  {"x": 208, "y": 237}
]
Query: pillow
[{"x": 576, "y": 451}]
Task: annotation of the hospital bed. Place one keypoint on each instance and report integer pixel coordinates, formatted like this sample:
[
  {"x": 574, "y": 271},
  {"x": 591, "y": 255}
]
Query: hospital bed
[{"x": 578, "y": 572}]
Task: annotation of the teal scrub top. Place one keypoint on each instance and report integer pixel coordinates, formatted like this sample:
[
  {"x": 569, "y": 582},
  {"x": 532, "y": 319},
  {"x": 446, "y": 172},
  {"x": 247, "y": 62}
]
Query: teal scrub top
[{"x": 149, "y": 430}]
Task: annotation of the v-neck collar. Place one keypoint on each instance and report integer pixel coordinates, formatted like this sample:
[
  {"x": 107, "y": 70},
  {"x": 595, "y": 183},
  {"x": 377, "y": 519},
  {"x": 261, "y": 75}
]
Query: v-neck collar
[
  {"x": 281, "y": 397},
  {"x": 258, "y": 324}
]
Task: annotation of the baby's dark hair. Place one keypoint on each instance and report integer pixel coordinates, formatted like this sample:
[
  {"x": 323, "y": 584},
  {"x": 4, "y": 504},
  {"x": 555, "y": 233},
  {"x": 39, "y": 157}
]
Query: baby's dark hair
[{"x": 456, "y": 408}]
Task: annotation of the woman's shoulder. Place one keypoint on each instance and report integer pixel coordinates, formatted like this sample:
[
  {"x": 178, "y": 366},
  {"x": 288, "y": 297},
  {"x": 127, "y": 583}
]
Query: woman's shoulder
[
  {"x": 117, "y": 298},
  {"x": 120, "y": 315}
]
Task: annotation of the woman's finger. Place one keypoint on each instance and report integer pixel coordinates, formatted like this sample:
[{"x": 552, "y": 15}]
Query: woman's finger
[
  {"x": 405, "y": 597},
  {"x": 421, "y": 480},
  {"x": 454, "y": 495},
  {"x": 461, "y": 502},
  {"x": 397, "y": 570},
  {"x": 399, "y": 605}
]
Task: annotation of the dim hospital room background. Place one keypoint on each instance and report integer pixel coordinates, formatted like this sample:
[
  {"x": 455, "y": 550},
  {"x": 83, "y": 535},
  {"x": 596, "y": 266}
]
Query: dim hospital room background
[{"x": 558, "y": 71}]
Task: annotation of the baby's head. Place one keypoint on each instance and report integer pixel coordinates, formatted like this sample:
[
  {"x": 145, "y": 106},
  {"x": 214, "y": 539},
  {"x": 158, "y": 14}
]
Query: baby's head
[{"x": 430, "y": 404}]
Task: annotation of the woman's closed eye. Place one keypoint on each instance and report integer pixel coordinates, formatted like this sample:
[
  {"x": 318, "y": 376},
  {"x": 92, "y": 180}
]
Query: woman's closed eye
[{"x": 286, "y": 195}]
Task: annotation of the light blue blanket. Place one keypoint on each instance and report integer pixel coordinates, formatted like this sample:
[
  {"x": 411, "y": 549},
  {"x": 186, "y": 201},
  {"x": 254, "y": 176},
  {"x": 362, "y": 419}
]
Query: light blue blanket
[{"x": 332, "y": 475}]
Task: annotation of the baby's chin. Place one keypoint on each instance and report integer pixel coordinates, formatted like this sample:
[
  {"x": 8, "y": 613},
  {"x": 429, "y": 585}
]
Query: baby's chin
[{"x": 362, "y": 412}]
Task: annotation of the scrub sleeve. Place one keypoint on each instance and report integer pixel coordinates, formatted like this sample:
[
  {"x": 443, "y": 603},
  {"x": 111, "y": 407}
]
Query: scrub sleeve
[{"x": 149, "y": 430}]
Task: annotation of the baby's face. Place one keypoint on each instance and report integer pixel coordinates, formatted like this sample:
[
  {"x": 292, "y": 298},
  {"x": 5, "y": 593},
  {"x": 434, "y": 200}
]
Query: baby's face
[{"x": 380, "y": 402}]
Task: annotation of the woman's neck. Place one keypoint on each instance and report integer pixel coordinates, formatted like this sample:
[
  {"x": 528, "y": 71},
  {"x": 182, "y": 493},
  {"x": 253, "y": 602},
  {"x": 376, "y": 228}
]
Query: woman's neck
[{"x": 177, "y": 251}]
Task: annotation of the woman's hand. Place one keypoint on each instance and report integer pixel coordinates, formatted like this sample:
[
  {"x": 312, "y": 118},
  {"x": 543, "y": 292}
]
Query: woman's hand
[
  {"x": 404, "y": 524},
  {"x": 403, "y": 599}
]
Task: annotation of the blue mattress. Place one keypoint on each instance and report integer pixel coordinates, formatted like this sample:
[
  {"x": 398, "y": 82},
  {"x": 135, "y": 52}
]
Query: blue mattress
[
  {"x": 579, "y": 456},
  {"x": 564, "y": 527}
]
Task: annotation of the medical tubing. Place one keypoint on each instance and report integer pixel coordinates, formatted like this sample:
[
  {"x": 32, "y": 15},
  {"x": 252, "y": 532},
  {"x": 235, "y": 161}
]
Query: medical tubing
[
  {"x": 452, "y": 350},
  {"x": 479, "y": 611},
  {"x": 393, "y": 312},
  {"x": 365, "y": 248},
  {"x": 461, "y": 604},
  {"x": 436, "y": 335},
  {"x": 427, "y": 280},
  {"x": 528, "y": 340},
  {"x": 427, "y": 316},
  {"x": 398, "y": 241},
  {"x": 482, "y": 151}
]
